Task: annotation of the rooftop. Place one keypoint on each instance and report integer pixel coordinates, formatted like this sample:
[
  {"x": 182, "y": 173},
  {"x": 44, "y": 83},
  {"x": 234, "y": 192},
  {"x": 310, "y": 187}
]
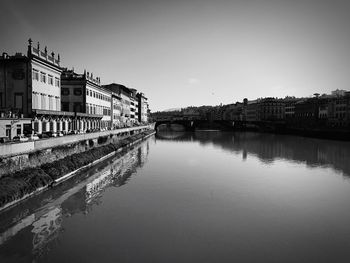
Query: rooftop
[{"x": 43, "y": 54}]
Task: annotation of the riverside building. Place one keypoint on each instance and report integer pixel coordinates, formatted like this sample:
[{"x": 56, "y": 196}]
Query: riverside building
[
  {"x": 30, "y": 87},
  {"x": 251, "y": 110},
  {"x": 142, "y": 108},
  {"x": 133, "y": 107},
  {"x": 116, "y": 110},
  {"x": 91, "y": 104},
  {"x": 37, "y": 95},
  {"x": 125, "y": 102},
  {"x": 271, "y": 109}
]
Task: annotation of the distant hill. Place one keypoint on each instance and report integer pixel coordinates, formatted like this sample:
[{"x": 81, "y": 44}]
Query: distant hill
[{"x": 173, "y": 109}]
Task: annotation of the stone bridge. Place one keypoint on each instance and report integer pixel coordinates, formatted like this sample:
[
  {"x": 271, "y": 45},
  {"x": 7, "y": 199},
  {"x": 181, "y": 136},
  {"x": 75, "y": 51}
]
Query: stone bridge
[
  {"x": 191, "y": 125},
  {"x": 228, "y": 125}
]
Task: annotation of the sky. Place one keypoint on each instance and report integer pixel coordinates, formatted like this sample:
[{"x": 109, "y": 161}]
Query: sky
[{"x": 191, "y": 53}]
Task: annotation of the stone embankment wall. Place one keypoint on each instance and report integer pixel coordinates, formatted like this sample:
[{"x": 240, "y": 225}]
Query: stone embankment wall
[
  {"x": 17, "y": 186},
  {"x": 17, "y": 156}
]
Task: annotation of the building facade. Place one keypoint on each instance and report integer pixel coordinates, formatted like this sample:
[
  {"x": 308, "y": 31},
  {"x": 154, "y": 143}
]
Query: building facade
[
  {"x": 251, "y": 110},
  {"x": 142, "y": 108},
  {"x": 125, "y": 102},
  {"x": 30, "y": 87},
  {"x": 271, "y": 109},
  {"x": 289, "y": 107},
  {"x": 133, "y": 107},
  {"x": 91, "y": 104},
  {"x": 339, "y": 111},
  {"x": 233, "y": 112},
  {"x": 116, "y": 108},
  {"x": 35, "y": 87}
]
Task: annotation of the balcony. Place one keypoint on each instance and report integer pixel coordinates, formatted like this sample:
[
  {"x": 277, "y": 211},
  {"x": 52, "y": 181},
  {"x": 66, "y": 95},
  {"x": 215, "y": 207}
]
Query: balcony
[{"x": 53, "y": 113}]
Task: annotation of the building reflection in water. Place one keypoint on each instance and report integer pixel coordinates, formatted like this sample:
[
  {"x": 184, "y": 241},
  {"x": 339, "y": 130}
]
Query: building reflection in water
[
  {"x": 271, "y": 147},
  {"x": 33, "y": 228}
]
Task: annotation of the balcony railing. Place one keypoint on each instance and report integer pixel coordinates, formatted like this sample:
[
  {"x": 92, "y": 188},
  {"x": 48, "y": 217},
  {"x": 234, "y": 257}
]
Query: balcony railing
[
  {"x": 45, "y": 56},
  {"x": 53, "y": 112}
]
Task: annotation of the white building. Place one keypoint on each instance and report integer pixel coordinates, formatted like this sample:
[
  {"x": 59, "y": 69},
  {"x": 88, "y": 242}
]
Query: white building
[
  {"x": 30, "y": 87},
  {"x": 83, "y": 95},
  {"x": 124, "y": 97},
  {"x": 11, "y": 127},
  {"x": 142, "y": 108}
]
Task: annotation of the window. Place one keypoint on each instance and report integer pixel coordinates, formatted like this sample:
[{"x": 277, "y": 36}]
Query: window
[
  {"x": 43, "y": 102},
  {"x": 57, "y": 99},
  {"x": 77, "y": 91},
  {"x": 37, "y": 96},
  {"x": 8, "y": 130},
  {"x": 65, "y": 91},
  {"x": 34, "y": 100},
  {"x": 65, "y": 106},
  {"x": 35, "y": 74},
  {"x": 19, "y": 129},
  {"x": 50, "y": 80},
  {"x": 87, "y": 92},
  {"x": 90, "y": 93},
  {"x": 43, "y": 77},
  {"x": 50, "y": 103},
  {"x": 18, "y": 100},
  {"x": 77, "y": 107},
  {"x": 57, "y": 82}
]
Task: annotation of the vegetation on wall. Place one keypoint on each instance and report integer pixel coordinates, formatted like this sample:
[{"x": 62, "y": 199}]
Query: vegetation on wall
[{"x": 16, "y": 185}]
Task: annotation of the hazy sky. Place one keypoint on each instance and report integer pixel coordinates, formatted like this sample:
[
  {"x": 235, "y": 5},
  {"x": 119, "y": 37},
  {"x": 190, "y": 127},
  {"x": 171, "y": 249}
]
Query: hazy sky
[{"x": 182, "y": 53}]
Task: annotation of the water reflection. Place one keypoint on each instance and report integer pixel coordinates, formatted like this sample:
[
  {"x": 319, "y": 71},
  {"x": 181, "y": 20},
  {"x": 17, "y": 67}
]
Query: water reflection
[
  {"x": 271, "y": 147},
  {"x": 33, "y": 228}
]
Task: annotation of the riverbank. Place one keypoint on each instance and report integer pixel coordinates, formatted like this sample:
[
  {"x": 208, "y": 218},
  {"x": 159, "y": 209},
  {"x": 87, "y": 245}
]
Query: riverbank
[
  {"x": 17, "y": 186},
  {"x": 319, "y": 132}
]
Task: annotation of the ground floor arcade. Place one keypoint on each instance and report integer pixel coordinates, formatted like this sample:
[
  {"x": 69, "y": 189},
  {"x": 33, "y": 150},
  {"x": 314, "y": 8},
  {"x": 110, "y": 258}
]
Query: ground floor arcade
[{"x": 65, "y": 122}]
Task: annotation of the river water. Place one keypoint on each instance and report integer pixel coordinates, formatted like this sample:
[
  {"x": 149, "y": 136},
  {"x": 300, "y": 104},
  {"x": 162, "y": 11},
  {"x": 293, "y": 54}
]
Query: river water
[{"x": 194, "y": 197}]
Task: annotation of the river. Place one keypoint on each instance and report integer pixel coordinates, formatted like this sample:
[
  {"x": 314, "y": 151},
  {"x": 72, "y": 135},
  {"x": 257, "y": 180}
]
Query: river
[{"x": 206, "y": 196}]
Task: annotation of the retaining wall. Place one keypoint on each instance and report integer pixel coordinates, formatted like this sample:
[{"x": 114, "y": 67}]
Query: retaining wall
[{"x": 17, "y": 156}]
